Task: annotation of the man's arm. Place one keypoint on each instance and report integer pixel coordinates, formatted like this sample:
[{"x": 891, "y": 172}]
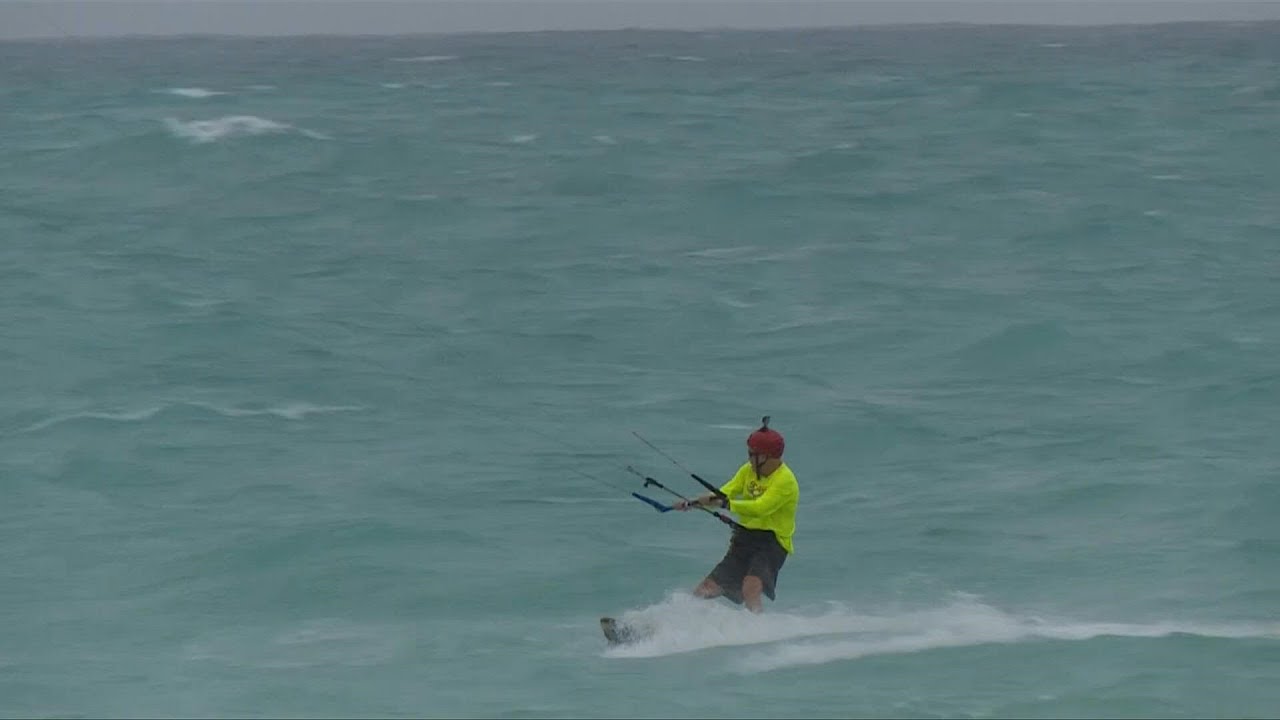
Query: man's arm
[
  {"x": 775, "y": 497},
  {"x": 705, "y": 500},
  {"x": 730, "y": 488}
]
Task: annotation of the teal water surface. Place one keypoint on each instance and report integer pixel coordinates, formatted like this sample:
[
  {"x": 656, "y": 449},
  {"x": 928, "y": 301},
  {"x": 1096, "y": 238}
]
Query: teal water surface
[{"x": 322, "y": 357}]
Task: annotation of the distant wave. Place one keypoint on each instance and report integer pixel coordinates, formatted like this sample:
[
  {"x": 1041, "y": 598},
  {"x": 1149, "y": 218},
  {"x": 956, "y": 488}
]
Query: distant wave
[
  {"x": 425, "y": 58},
  {"x": 290, "y": 411},
  {"x": 678, "y": 58},
  {"x": 725, "y": 252},
  {"x": 207, "y": 131},
  {"x": 133, "y": 416},
  {"x": 318, "y": 643},
  {"x": 683, "y": 624},
  {"x": 193, "y": 92}
]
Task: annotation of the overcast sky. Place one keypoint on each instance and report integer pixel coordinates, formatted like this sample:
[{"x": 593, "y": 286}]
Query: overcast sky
[{"x": 55, "y": 18}]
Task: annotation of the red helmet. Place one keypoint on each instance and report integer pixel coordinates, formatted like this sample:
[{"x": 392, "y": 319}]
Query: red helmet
[{"x": 766, "y": 441}]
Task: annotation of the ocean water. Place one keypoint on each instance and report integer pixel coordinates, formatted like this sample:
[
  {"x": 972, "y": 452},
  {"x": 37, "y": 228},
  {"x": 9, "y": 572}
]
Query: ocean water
[{"x": 322, "y": 361}]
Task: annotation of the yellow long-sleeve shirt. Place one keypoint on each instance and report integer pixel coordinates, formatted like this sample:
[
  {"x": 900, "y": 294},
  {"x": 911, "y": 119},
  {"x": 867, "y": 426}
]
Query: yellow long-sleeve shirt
[{"x": 765, "y": 503}]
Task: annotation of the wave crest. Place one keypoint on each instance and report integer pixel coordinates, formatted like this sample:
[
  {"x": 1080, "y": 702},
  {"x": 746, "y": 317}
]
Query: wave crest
[{"x": 231, "y": 126}]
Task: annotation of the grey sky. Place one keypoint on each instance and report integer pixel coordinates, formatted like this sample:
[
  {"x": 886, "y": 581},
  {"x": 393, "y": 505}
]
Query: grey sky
[{"x": 55, "y": 18}]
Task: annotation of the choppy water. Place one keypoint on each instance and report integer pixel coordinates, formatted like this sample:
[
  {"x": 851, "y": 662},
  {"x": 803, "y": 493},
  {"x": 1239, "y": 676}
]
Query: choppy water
[{"x": 308, "y": 344}]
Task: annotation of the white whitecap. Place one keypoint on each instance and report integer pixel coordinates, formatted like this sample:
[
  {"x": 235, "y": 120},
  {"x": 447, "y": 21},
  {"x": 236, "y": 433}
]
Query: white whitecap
[
  {"x": 733, "y": 302},
  {"x": 290, "y": 411},
  {"x": 724, "y": 252},
  {"x": 425, "y": 58},
  {"x": 122, "y": 416},
  {"x": 287, "y": 411},
  {"x": 231, "y": 126},
  {"x": 194, "y": 92}
]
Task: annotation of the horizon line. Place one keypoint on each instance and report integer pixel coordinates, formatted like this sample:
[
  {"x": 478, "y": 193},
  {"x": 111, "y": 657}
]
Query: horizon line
[
  {"x": 134, "y": 19},
  {"x": 696, "y": 30}
]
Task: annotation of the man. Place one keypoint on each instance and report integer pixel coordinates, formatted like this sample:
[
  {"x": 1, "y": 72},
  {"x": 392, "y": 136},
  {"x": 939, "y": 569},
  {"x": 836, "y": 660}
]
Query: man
[{"x": 763, "y": 494}]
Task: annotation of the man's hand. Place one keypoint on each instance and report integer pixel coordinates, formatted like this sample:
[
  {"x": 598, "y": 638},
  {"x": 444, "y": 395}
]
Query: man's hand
[{"x": 701, "y": 500}]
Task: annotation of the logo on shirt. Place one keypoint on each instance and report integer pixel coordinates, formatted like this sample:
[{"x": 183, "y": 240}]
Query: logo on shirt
[{"x": 755, "y": 488}]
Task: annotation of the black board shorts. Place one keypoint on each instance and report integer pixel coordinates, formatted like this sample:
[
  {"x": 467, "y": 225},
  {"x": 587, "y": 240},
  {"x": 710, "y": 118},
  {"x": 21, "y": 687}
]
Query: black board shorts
[{"x": 751, "y": 552}]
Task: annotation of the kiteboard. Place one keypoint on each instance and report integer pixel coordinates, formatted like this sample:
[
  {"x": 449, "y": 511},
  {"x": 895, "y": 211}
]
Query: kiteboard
[{"x": 618, "y": 632}]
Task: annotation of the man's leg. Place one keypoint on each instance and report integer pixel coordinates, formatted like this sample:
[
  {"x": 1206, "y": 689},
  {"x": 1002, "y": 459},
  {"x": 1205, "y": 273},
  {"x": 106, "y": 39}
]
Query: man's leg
[
  {"x": 708, "y": 589},
  {"x": 762, "y": 575},
  {"x": 726, "y": 577},
  {"x": 752, "y": 589}
]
